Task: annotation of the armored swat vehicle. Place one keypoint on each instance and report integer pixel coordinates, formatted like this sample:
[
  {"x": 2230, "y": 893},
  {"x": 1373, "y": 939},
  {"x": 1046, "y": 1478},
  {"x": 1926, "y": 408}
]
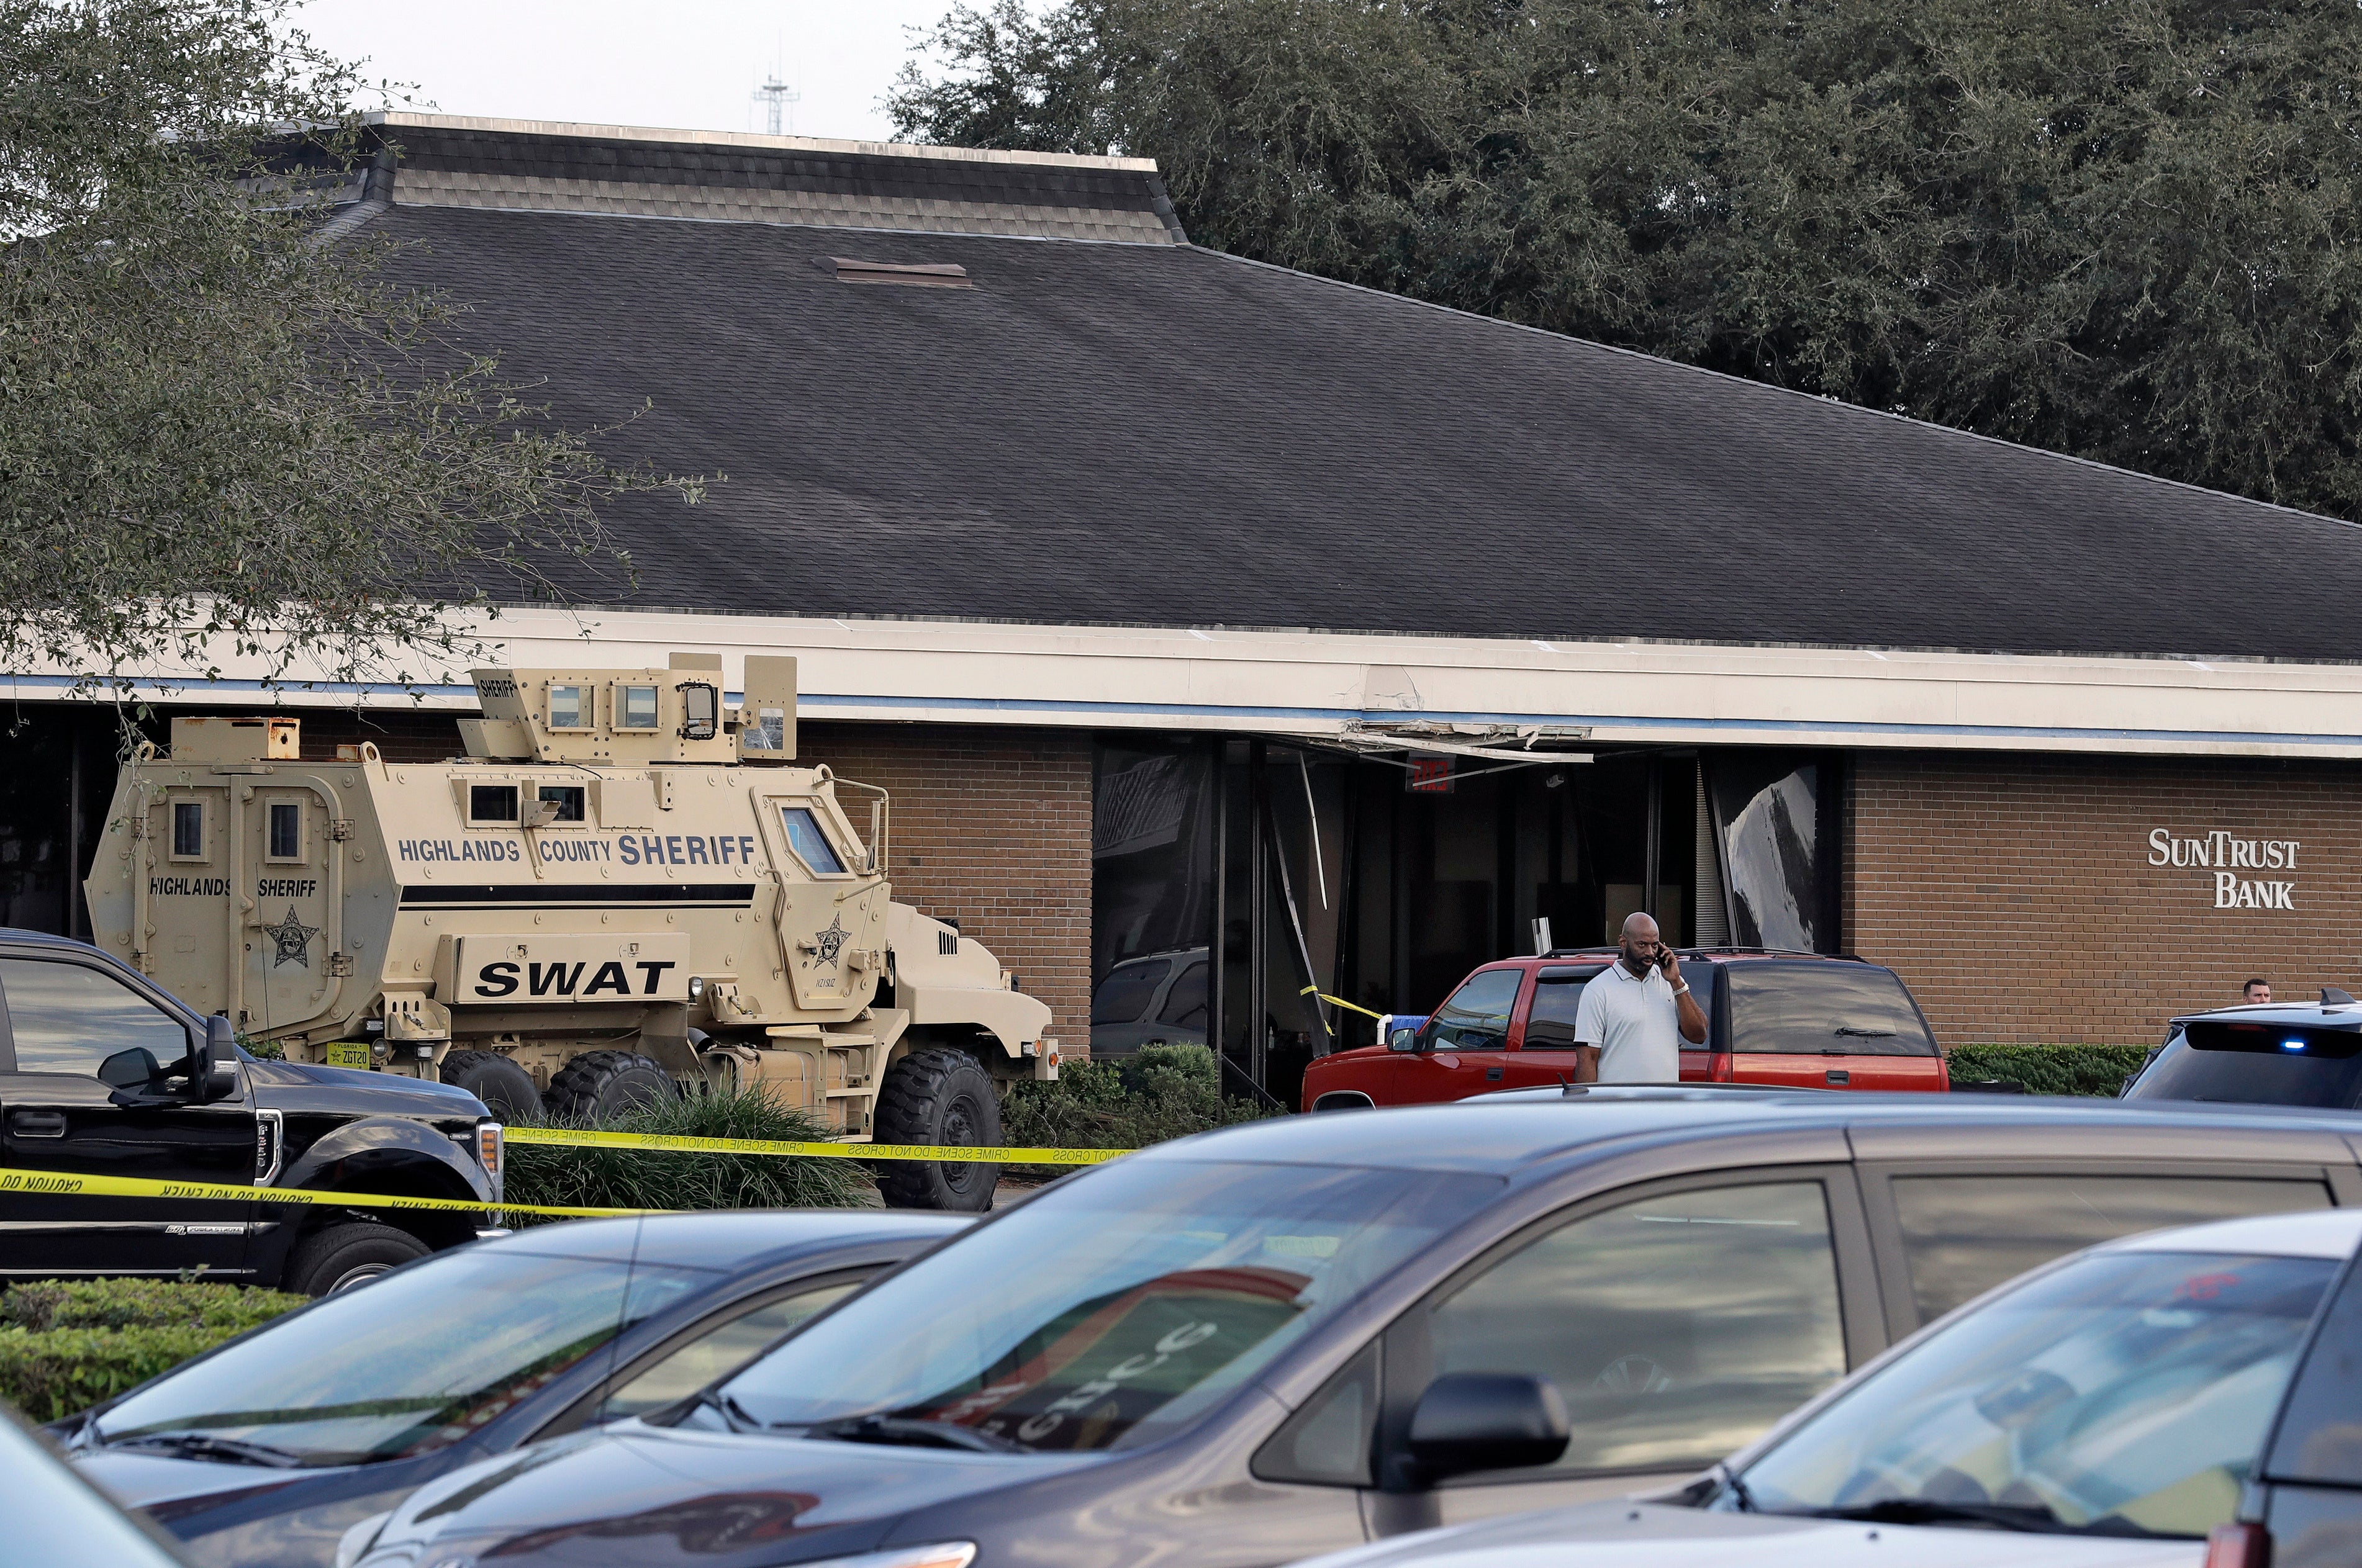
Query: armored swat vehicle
[{"x": 624, "y": 890}]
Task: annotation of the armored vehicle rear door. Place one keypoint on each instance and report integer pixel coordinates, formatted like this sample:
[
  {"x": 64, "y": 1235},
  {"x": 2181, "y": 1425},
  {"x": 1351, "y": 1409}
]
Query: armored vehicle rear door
[
  {"x": 290, "y": 939},
  {"x": 86, "y": 1087},
  {"x": 828, "y": 911}
]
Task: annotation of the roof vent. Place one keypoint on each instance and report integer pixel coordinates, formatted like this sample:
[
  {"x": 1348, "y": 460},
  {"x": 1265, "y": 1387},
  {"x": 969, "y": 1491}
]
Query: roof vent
[{"x": 920, "y": 274}]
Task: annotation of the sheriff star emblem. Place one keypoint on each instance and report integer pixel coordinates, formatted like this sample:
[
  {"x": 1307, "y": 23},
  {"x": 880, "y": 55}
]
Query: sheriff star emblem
[
  {"x": 293, "y": 940},
  {"x": 829, "y": 946}
]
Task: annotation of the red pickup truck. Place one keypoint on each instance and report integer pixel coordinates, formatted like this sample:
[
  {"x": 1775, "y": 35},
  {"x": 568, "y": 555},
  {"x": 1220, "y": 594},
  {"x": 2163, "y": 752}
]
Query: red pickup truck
[{"x": 1805, "y": 1020}]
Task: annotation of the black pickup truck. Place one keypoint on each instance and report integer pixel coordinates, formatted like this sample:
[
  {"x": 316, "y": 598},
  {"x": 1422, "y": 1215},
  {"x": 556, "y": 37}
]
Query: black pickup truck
[{"x": 102, "y": 1073}]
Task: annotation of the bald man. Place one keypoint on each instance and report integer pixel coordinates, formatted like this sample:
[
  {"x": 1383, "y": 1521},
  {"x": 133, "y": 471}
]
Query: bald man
[{"x": 1635, "y": 1013}]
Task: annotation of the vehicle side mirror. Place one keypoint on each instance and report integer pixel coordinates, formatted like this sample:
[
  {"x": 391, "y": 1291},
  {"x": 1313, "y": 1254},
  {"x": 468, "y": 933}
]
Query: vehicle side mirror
[
  {"x": 1405, "y": 1039},
  {"x": 215, "y": 1074},
  {"x": 1469, "y": 1421}
]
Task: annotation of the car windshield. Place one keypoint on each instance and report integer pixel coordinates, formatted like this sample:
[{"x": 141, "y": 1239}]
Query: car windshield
[
  {"x": 2223, "y": 1065},
  {"x": 412, "y": 1362},
  {"x": 1106, "y": 1312},
  {"x": 2124, "y": 1394}
]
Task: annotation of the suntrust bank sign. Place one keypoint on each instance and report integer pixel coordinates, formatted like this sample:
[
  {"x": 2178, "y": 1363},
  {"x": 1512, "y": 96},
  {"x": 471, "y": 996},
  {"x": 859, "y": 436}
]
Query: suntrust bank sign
[{"x": 2226, "y": 857}]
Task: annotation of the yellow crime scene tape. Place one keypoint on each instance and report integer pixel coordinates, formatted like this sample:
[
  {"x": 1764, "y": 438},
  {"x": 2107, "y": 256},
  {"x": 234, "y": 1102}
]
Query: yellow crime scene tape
[
  {"x": 65, "y": 1184},
  {"x": 568, "y": 1138},
  {"x": 68, "y": 1184},
  {"x": 1339, "y": 1002}
]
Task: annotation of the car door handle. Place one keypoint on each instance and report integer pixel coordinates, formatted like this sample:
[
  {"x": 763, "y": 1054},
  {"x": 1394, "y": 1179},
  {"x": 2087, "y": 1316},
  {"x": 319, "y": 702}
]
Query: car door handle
[
  {"x": 1492, "y": 1075},
  {"x": 37, "y": 1123},
  {"x": 1839, "y": 1075}
]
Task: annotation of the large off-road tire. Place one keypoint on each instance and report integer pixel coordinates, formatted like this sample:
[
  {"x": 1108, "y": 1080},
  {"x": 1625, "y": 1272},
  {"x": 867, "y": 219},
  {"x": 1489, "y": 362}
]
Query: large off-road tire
[
  {"x": 598, "y": 1085},
  {"x": 344, "y": 1256},
  {"x": 506, "y": 1089},
  {"x": 939, "y": 1096}
]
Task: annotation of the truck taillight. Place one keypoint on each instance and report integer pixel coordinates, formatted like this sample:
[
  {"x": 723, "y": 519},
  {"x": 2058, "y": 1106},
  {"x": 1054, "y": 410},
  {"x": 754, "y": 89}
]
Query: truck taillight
[
  {"x": 490, "y": 1141},
  {"x": 2239, "y": 1546}
]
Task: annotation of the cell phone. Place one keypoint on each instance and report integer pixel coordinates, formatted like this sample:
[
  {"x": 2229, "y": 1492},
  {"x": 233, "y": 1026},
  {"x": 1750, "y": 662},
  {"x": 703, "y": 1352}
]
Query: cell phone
[{"x": 1664, "y": 956}]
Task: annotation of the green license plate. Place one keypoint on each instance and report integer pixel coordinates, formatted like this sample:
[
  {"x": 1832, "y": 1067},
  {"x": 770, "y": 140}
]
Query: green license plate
[{"x": 348, "y": 1053}]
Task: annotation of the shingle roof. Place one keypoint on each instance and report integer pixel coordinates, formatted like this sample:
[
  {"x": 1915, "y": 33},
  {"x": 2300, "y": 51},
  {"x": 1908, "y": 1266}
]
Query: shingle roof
[{"x": 1157, "y": 433}]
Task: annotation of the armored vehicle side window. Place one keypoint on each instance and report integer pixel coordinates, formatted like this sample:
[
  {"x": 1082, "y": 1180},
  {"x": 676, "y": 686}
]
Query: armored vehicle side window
[
  {"x": 67, "y": 1018},
  {"x": 286, "y": 830},
  {"x": 810, "y": 845},
  {"x": 188, "y": 829},
  {"x": 570, "y": 706},
  {"x": 636, "y": 707},
  {"x": 568, "y": 798},
  {"x": 491, "y": 803}
]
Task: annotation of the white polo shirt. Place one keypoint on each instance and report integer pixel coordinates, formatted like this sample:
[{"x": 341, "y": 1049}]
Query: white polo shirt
[{"x": 1634, "y": 1022}]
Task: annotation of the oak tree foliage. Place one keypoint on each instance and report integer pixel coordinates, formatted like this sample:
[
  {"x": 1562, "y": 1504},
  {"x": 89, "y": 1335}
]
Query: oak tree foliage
[
  {"x": 2124, "y": 229},
  {"x": 223, "y": 427}
]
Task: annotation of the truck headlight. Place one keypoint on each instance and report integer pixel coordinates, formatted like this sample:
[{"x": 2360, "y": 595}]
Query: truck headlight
[
  {"x": 696, "y": 987},
  {"x": 491, "y": 1140}
]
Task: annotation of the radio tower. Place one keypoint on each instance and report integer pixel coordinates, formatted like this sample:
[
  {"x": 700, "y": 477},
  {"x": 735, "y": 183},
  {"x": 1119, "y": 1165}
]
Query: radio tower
[{"x": 773, "y": 95}]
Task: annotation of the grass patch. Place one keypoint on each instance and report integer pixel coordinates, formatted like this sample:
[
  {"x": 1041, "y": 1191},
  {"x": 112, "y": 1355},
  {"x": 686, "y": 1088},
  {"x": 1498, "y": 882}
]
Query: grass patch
[
  {"x": 67, "y": 1345},
  {"x": 634, "y": 1178},
  {"x": 2050, "y": 1069},
  {"x": 1159, "y": 1093}
]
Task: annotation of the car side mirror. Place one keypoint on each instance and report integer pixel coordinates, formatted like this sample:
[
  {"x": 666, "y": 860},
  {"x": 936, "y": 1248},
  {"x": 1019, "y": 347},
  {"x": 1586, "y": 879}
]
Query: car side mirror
[
  {"x": 215, "y": 1074},
  {"x": 1470, "y": 1421},
  {"x": 1404, "y": 1039}
]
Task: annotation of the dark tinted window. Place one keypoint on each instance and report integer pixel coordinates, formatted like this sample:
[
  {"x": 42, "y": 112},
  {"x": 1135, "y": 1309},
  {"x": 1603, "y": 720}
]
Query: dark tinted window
[
  {"x": 1964, "y": 1235},
  {"x": 568, "y": 798},
  {"x": 1813, "y": 1007},
  {"x": 67, "y": 1018},
  {"x": 2254, "y": 1070},
  {"x": 1185, "y": 1003},
  {"x": 2320, "y": 1437},
  {"x": 491, "y": 803},
  {"x": 188, "y": 829},
  {"x": 1127, "y": 990},
  {"x": 1676, "y": 1328},
  {"x": 1550, "y": 1025},
  {"x": 1478, "y": 1017},
  {"x": 286, "y": 830}
]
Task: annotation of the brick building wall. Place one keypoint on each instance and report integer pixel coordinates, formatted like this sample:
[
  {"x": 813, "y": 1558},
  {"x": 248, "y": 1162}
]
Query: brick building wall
[
  {"x": 992, "y": 826},
  {"x": 2016, "y": 893}
]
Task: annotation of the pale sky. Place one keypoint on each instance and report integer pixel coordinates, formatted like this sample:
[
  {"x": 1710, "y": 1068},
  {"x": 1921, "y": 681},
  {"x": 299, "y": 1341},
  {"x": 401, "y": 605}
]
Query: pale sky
[{"x": 689, "y": 64}]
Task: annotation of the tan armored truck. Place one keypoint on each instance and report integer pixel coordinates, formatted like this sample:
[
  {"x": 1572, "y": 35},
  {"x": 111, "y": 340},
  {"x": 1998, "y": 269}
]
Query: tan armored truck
[{"x": 625, "y": 889}]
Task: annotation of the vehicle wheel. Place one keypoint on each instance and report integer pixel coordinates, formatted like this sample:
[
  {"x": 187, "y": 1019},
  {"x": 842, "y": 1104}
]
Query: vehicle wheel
[
  {"x": 939, "y": 1096},
  {"x": 598, "y": 1085},
  {"x": 506, "y": 1089},
  {"x": 344, "y": 1256}
]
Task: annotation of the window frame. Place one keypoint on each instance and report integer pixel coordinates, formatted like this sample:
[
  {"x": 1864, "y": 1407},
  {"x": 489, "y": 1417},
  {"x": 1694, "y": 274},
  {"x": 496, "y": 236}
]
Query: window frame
[
  {"x": 1877, "y": 1178},
  {"x": 1406, "y": 1361},
  {"x": 809, "y": 806},
  {"x": 516, "y": 812},
  {"x": 172, "y": 804},
  {"x": 578, "y": 1412},
  {"x": 271, "y": 809},
  {"x": 1520, "y": 996},
  {"x": 616, "y": 712},
  {"x": 588, "y": 712},
  {"x": 541, "y": 798}
]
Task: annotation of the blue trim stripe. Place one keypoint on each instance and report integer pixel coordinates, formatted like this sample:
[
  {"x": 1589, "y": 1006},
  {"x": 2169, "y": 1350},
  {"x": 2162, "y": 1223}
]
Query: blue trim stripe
[{"x": 1185, "y": 714}]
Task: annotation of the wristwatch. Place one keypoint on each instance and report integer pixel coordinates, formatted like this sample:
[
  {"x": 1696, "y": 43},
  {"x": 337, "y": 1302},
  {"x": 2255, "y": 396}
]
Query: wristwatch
[{"x": 1682, "y": 989}]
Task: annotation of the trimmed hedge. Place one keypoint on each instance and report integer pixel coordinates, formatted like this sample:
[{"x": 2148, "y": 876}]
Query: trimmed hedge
[
  {"x": 66, "y": 1345},
  {"x": 633, "y": 1178},
  {"x": 1157, "y": 1092},
  {"x": 2048, "y": 1069}
]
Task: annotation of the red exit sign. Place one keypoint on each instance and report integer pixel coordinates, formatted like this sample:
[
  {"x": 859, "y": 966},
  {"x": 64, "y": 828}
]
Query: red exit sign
[{"x": 1429, "y": 776}]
